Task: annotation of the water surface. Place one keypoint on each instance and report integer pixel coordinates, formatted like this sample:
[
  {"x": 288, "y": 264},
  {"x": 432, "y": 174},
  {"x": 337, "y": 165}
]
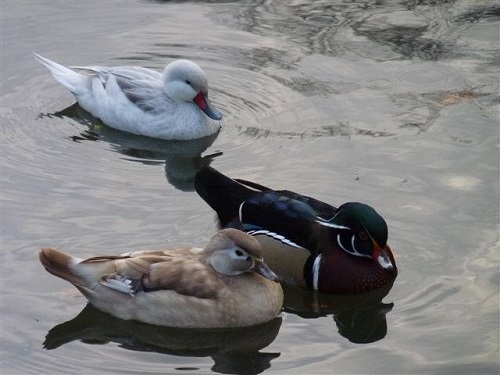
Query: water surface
[{"x": 390, "y": 103}]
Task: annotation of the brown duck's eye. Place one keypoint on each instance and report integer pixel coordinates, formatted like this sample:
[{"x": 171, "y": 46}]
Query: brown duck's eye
[
  {"x": 239, "y": 253},
  {"x": 363, "y": 236}
]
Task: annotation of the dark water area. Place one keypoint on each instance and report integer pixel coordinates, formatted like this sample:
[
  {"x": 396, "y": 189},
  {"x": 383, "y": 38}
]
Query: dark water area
[{"x": 391, "y": 103}]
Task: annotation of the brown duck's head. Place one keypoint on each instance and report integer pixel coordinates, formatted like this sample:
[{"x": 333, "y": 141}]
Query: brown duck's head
[{"x": 232, "y": 252}]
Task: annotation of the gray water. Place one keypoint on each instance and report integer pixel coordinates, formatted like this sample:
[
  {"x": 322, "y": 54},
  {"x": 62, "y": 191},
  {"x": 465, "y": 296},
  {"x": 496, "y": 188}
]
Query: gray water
[{"x": 391, "y": 103}]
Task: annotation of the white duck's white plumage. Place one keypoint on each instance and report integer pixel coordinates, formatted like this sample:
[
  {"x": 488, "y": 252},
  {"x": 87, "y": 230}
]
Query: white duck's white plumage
[
  {"x": 169, "y": 105},
  {"x": 227, "y": 284}
]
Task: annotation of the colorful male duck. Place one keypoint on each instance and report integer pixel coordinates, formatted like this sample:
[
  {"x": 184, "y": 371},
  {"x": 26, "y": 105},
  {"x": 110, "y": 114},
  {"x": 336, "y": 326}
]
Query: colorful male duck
[{"x": 307, "y": 242}]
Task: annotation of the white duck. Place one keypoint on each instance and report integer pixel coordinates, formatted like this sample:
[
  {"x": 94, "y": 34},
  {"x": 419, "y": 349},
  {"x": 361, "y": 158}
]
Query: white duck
[
  {"x": 172, "y": 105},
  {"x": 227, "y": 284}
]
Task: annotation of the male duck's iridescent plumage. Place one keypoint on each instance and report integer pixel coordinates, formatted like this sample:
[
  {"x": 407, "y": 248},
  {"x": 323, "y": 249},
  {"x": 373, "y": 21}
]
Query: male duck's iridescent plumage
[
  {"x": 227, "y": 284},
  {"x": 305, "y": 241},
  {"x": 169, "y": 105}
]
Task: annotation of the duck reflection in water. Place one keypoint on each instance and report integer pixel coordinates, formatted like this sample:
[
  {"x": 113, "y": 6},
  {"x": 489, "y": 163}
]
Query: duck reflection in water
[
  {"x": 360, "y": 318},
  {"x": 182, "y": 158},
  {"x": 234, "y": 350}
]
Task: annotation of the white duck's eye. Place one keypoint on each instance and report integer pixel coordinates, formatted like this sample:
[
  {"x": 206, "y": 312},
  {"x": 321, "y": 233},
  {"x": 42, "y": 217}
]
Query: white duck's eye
[{"x": 188, "y": 82}]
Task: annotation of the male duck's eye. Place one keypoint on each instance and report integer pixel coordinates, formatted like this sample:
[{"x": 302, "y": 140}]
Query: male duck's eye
[
  {"x": 363, "y": 236},
  {"x": 188, "y": 82}
]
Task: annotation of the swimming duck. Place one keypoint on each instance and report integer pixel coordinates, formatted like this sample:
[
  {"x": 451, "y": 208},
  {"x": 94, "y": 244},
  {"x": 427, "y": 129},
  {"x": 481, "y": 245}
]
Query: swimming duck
[
  {"x": 307, "y": 242},
  {"x": 226, "y": 284},
  {"x": 169, "y": 105}
]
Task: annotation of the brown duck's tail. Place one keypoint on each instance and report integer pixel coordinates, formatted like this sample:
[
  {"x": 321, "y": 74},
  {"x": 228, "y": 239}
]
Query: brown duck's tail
[{"x": 59, "y": 264}]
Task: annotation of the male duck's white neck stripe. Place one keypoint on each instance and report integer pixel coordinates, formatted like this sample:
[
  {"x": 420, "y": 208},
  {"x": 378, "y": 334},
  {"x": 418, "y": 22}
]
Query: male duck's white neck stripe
[
  {"x": 315, "y": 271},
  {"x": 354, "y": 251},
  {"x": 353, "y": 239},
  {"x": 340, "y": 244}
]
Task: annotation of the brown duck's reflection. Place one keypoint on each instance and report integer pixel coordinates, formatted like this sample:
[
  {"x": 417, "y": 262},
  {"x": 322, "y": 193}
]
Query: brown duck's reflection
[
  {"x": 182, "y": 158},
  {"x": 360, "y": 318},
  {"x": 234, "y": 350}
]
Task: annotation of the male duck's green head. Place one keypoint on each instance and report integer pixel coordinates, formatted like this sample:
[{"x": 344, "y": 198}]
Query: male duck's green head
[{"x": 360, "y": 231}]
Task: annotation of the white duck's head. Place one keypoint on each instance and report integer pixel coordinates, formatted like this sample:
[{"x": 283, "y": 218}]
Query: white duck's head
[
  {"x": 185, "y": 81},
  {"x": 233, "y": 252}
]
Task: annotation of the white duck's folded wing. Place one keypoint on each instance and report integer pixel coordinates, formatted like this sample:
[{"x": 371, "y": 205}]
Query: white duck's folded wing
[
  {"x": 142, "y": 87},
  {"x": 128, "y": 72},
  {"x": 146, "y": 95}
]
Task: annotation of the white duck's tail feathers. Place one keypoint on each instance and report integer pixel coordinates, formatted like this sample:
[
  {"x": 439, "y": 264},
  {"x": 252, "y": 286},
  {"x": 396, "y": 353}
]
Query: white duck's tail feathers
[
  {"x": 59, "y": 264},
  {"x": 75, "y": 82}
]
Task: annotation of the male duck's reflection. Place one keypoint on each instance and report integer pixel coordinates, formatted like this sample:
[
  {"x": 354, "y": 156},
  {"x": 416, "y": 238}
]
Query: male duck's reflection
[
  {"x": 182, "y": 158},
  {"x": 360, "y": 318},
  {"x": 234, "y": 350}
]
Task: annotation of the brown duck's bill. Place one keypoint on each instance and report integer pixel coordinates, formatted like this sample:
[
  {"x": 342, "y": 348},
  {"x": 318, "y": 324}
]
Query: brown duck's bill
[
  {"x": 206, "y": 106},
  {"x": 262, "y": 269}
]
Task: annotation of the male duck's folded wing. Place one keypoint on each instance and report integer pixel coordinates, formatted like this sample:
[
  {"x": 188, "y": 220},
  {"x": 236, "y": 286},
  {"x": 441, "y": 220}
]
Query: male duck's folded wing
[
  {"x": 322, "y": 209},
  {"x": 225, "y": 195},
  {"x": 276, "y": 214}
]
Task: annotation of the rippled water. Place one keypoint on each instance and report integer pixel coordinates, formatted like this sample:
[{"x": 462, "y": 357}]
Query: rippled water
[{"x": 390, "y": 103}]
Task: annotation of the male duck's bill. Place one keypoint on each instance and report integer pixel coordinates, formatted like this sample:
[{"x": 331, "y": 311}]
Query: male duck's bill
[
  {"x": 169, "y": 105},
  {"x": 305, "y": 241},
  {"x": 227, "y": 284}
]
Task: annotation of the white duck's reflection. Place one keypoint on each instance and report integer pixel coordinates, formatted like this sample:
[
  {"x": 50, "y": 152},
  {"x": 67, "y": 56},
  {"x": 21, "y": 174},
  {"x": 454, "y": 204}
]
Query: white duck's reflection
[
  {"x": 234, "y": 350},
  {"x": 182, "y": 158}
]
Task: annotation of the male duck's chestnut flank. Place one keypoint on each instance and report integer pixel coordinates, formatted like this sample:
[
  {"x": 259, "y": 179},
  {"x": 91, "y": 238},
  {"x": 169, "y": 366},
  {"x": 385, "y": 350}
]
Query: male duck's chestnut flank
[{"x": 227, "y": 284}]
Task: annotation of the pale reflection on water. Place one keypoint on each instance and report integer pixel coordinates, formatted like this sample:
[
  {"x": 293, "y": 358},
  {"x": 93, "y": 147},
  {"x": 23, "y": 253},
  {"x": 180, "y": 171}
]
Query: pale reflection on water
[{"x": 390, "y": 103}]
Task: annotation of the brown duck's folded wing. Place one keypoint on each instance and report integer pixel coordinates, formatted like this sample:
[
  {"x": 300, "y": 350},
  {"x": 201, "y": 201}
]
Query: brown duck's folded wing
[
  {"x": 185, "y": 276},
  {"x": 149, "y": 273}
]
